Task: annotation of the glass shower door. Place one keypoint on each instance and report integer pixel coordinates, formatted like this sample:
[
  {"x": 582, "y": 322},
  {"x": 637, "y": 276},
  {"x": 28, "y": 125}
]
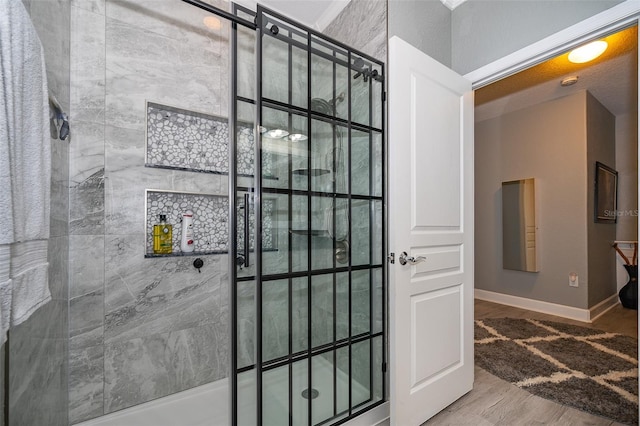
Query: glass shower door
[{"x": 310, "y": 302}]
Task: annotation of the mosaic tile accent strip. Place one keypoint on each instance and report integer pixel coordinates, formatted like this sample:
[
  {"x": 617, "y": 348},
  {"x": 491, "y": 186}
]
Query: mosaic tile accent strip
[
  {"x": 210, "y": 224},
  {"x": 188, "y": 140}
]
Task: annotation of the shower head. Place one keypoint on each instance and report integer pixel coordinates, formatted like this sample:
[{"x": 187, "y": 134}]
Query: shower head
[
  {"x": 321, "y": 106},
  {"x": 326, "y": 107}
]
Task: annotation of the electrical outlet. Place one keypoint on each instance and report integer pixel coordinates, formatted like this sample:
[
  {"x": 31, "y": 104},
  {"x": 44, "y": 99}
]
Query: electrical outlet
[{"x": 574, "y": 281}]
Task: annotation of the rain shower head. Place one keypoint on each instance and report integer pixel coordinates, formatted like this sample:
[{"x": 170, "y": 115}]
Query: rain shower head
[{"x": 326, "y": 107}]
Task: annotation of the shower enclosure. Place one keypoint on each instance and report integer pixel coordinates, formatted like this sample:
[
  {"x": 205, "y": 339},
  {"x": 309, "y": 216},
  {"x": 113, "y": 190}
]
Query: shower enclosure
[
  {"x": 308, "y": 295},
  {"x": 272, "y": 135}
]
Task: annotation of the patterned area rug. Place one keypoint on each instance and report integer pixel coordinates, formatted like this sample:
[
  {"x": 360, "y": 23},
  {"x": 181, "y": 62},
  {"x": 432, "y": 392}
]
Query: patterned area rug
[{"x": 591, "y": 370}]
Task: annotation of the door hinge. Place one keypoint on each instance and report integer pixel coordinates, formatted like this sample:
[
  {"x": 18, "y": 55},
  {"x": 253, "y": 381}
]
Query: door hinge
[
  {"x": 384, "y": 367},
  {"x": 392, "y": 258},
  {"x": 384, "y": 96}
]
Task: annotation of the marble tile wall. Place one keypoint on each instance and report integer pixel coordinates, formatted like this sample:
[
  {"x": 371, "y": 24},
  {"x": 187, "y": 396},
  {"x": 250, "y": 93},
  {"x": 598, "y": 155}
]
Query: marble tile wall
[
  {"x": 37, "y": 351},
  {"x": 144, "y": 328},
  {"x": 139, "y": 328}
]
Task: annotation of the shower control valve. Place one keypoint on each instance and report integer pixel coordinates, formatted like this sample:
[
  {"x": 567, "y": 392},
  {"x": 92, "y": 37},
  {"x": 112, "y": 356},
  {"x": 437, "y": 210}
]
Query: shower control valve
[{"x": 198, "y": 263}]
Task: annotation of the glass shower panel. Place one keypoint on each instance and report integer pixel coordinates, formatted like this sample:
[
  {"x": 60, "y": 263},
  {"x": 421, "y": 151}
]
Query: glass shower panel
[
  {"x": 360, "y": 373},
  {"x": 299, "y": 315},
  {"x": 299, "y": 75},
  {"x": 275, "y": 69},
  {"x": 342, "y": 305},
  {"x": 360, "y": 162},
  {"x": 377, "y": 301},
  {"x": 322, "y": 229},
  {"x": 360, "y": 232},
  {"x": 275, "y": 396},
  {"x": 246, "y": 58},
  {"x": 246, "y": 397},
  {"x": 377, "y": 247},
  {"x": 342, "y": 86},
  {"x": 377, "y": 386},
  {"x": 322, "y": 150},
  {"x": 245, "y": 323},
  {"x": 360, "y": 91},
  {"x": 281, "y": 54},
  {"x": 322, "y": 381},
  {"x": 300, "y": 386},
  {"x": 329, "y": 79},
  {"x": 321, "y": 310},
  {"x": 245, "y": 145},
  {"x": 299, "y": 233},
  {"x": 321, "y": 280},
  {"x": 322, "y": 83},
  {"x": 342, "y": 382},
  {"x": 275, "y": 148},
  {"x": 275, "y": 319},
  {"x": 299, "y": 149},
  {"x": 360, "y": 302},
  {"x": 376, "y": 138},
  {"x": 341, "y": 160},
  {"x": 275, "y": 234},
  {"x": 376, "y": 100}
]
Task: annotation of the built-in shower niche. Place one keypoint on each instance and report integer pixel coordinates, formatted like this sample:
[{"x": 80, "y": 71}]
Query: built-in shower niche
[
  {"x": 210, "y": 222},
  {"x": 182, "y": 139}
]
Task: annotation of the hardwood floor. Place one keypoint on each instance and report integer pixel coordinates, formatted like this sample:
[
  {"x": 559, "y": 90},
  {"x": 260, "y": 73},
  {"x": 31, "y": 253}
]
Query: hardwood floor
[{"x": 496, "y": 402}]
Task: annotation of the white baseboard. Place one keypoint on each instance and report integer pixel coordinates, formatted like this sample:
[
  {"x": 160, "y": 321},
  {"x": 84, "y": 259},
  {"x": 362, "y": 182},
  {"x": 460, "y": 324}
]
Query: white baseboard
[
  {"x": 584, "y": 315},
  {"x": 603, "y": 307}
]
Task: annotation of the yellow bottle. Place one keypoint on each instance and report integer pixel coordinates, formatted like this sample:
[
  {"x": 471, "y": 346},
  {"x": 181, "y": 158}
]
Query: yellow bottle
[{"x": 162, "y": 236}]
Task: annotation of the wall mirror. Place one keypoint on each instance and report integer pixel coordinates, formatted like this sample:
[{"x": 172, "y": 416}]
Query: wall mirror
[{"x": 519, "y": 229}]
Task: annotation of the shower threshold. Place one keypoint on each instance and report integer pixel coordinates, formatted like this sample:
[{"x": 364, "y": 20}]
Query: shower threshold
[{"x": 208, "y": 405}]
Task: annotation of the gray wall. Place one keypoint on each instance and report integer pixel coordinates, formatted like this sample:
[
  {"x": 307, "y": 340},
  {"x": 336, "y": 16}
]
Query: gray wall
[
  {"x": 38, "y": 393},
  {"x": 516, "y": 146},
  {"x": 483, "y": 31},
  {"x": 627, "y": 167},
  {"x": 425, "y": 24},
  {"x": 141, "y": 328},
  {"x": 561, "y": 156},
  {"x": 479, "y": 32},
  {"x": 601, "y": 146}
]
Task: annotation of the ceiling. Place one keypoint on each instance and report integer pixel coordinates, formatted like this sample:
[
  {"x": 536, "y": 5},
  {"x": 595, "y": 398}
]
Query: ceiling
[{"x": 611, "y": 78}]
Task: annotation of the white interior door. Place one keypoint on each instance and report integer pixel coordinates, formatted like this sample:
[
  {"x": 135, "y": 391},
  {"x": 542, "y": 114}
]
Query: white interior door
[{"x": 430, "y": 215}]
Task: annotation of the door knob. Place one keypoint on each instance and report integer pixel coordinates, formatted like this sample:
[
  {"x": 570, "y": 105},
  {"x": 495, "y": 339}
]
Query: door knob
[{"x": 405, "y": 258}]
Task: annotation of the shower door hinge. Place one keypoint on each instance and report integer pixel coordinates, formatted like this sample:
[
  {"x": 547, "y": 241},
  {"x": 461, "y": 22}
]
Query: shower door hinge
[
  {"x": 392, "y": 258},
  {"x": 384, "y": 367},
  {"x": 384, "y": 96}
]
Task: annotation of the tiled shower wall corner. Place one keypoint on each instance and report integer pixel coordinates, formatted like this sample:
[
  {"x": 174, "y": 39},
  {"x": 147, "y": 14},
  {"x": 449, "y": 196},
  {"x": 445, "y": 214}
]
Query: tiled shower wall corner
[
  {"x": 137, "y": 321},
  {"x": 37, "y": 351}
]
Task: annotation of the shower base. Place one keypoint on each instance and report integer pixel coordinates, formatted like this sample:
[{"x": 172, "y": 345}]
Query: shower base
[{"x": 208, "y": 405}]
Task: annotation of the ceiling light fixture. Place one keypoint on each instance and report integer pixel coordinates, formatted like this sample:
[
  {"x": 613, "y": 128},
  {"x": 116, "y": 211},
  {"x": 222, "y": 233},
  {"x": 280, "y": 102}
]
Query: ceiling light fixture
[
  {"x": 212, "y": 23},
  {"x": 297, "y": 137},
  {"x": 276, "y": 133},
  {"x": 569, "y": 81},
  {"x": 588, "y": 52}
]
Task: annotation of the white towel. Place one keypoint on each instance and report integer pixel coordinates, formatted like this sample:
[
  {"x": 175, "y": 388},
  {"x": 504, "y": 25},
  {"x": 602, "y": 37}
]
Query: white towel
[
  {"x": 25, "y": 163},
  {"x": 30, "y": 279}
]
